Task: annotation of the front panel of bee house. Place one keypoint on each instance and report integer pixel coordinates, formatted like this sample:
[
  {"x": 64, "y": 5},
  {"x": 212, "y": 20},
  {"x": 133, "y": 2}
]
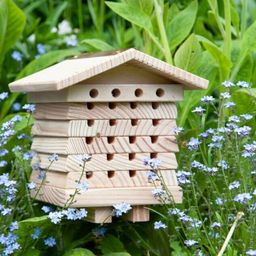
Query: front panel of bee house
[{"x": 120, "y": 109}]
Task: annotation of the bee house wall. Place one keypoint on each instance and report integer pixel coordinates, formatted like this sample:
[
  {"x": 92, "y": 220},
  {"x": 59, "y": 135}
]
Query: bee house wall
[{"x": 118, "y": 108}]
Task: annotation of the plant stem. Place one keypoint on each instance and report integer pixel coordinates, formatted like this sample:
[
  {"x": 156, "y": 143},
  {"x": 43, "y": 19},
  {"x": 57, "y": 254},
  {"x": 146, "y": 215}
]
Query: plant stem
[
  {"x": 227, "y": 38},
  {"x": 244, "y": 16},
  {"x": 164, "y": 39},
  {"x": 80, "y": 14}
]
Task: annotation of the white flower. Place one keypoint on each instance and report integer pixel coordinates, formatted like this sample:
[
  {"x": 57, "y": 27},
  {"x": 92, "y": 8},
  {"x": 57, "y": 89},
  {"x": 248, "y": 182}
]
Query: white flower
[
  {"x": 71, "y": 40},
  {"x": 31, "y": 185},
  {"x": 159, "y": 225},
  {"x": 64, "y": 28}
]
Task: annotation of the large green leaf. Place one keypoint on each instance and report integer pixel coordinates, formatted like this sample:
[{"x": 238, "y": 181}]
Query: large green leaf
[
  {"x": 180, "y": 26},
  {"x": 79, "y": 252},
  {"x": 111, "y": 244},
  {"x": 98, "y": 44},
  {"x": 46, "y": 60},
  {"x": 118, "y": 254},
  {"x": 12, "y": 22}
]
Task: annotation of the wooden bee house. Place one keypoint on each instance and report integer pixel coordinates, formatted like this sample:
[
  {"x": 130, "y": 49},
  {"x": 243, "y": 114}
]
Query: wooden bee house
[{"x": 120, "y": 108}]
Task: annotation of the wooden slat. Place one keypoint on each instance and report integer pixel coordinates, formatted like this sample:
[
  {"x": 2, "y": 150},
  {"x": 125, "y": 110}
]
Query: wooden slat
[
  {"x": 112, "y": 93},
  {"x": 73, "y": 111},
  {"x": 104, "y": 197},
  {"x": 99, "y": 215},
  {"x": 99, "y": 162},
  {"x": 104, "y": 145},
  {"x": 138, "y": 214},
  {"x": 101, "y": 179},
  {"x": 113, "y": 127}
]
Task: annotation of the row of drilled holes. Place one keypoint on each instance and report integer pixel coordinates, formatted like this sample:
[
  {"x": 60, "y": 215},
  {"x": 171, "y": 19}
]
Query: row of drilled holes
[
  {"x": 113, "y": 105},
  {"x": 116, "y": 93},
  {"x": 111, "y": 139},
  {"x": 111, "y": 174},
  {"x": 113, "y": 122}
]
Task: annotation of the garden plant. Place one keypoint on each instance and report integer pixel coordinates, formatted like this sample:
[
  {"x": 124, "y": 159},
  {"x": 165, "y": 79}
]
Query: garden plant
[{"x": 214, "y": 39}]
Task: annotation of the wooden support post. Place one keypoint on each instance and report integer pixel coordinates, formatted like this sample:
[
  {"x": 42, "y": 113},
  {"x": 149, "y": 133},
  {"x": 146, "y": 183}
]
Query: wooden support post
[
  {"x": 99, "y": 215},
  {"x": 138, "y": 214}
]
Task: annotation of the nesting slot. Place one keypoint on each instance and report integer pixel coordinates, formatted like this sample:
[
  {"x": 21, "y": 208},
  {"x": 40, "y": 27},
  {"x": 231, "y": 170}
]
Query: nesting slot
[
  {"x": 90, "y": 105},
  {"x": 160, "y": 92},
  {"x": 132, "y": 156},
  {"x": 132, "y": 139},
  {"x": 133, "y": 105},
  {"x": 138, "y": 92},
  {"x": 110, "y": 139},
  {"x": 110, "y": 157},
  {"x": 89, "y": 140},
  {"x": 115, "y": 92},
  {"x": 93, "y": 93},
  {"x": 132, "y": 173},
  {"x": 134, "y": 122},
  {"x": 153, "y": 155},
  {"x": 111, "y": 174},
  {"x": 112, "y": 122},
  {"x": 112, "y": 105},
  {"x": 155, "y": 105},
  {"x": 154, "y": 139},
  {"x": 90, "y": 122},
  {"x": 88, "y": 175},
  {"x": 155, "y": 122}
]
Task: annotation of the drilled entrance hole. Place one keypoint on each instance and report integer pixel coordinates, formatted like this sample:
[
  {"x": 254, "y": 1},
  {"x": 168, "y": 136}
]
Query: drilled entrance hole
[
  {"x": 112, "y": 122},
  {"x": 110, "y": 157},
  {"x": 133, "y": 105},
  {"x": 155, "y": 122},
  {"x": 132, "y": 139},
  {"x": 110, "y": 139},
  {"x": 155, "y": 105},
  {"x": 138, "y": 92},
  {"x": 90, "y": 122},
  {"x": 132, "y": 156},
  {"x": 153, "y": 155},
  {"x": 112, "y": 105},
  {"x": 134, "y": 122},
  {"x": 154, "y": 139},
  {"x": 89, "y": 140},
  {"x": 132, "y": 173},
  {"x": 88, "y": 175},
  {"x": 93, "y": 93},
  {"x": 160, "y": 92},
  {"x": 90, "y": 105},
  {"x": 111, "y": 174},
  {"x": 116, "y": 92}
]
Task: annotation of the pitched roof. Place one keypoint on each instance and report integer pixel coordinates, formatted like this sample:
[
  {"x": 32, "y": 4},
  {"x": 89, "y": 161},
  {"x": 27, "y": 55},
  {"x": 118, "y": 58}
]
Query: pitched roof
[{"x": 72, "y": 71}]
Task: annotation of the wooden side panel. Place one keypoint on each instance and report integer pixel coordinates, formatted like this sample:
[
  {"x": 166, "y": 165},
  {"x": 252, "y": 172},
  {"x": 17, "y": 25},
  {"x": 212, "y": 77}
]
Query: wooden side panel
[
  {"x": 100, "y": 215},
  {"x": 105, "y": 145},
  {"x": 104, "y": 179},
  {"x": 112, "y": 93},
  {"x": 120, "y": 162},
  {"x": 104, "y": 197},
  {"x": 138, "y": 214},
  {"x": 112, "y": 127},
  {"x": 72, "y": 111}
]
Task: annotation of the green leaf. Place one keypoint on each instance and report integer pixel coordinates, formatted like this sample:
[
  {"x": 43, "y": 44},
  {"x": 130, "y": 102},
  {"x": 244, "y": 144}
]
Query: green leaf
[
  {"x": 55, "y": 14},
  {"x": 79, "y": 252},
  {"x": 12, "y": 22},
  {"x": 132, "y": 14},
  {"x": 98, "y": 44},
  {"x": 111, "y": 244},
  {"x": 46, "y": 60},
  {"x": 188, "y": 53},
  {"x": 249, "y": 39},
  {"x": 118, "y": 254},
  {"x": 31, "y": 252},
  {"x": 180, "y": 26}
]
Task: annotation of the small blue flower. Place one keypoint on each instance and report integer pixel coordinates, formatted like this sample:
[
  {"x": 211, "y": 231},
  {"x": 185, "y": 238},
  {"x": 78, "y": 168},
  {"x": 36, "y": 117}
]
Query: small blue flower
[
  {"x": 53, "y": 157},
  {"x": 190, "y": 243},
  {"x": 152, "y": 176},
  {"x": 207, "y": 99},
  {"x": 37, "y": 232},
  {"x": 3, "y": 96},
  {"x": 234, "y": 185},
  {"x": 16, "y": 55},
  {"x": 14, "y": 226},
  {"x": 29, "y": 108},
  {"x": 193, "y": 144},
  {"x": 198, "y": 110},
  {"x": 243, "y": 84},
  {"x": 229, "y": 104},
  {"x": 50, "y": 241},
  {"x": 46, "y": 209},
  {"x": 3, "y": 163},
  {"x": 251, "y": 252},
  {"x": 243, "y": 131},
  {"x": 158, "y": 192},
  {"x": 225, "y": 95},
  {"x": 228, "y": 84},
  {"x": 242, "y": 198},
  {"x": 182, "y": 177},
  {"x": 83, "y": 186},
  {"x": 71, "y": 40},
  {"x": 16, "y": 106},
  {"x": 215, "y": 225},
  {"x": 31, "y": 185},
  {"x": 159, "y": 225},
  {"x": 121, "y": 208},
  {"x": 99, "y": 231},
  {"x": 55, "y": 217},
  {"x": 246, "y": 117},
  {"x": 40, "y": 48}
]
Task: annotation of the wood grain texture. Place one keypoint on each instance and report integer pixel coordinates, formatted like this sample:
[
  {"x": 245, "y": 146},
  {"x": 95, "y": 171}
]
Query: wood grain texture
[
  {"x": 104, "y": 197},
  {"x": 112, "y": 93},
  {"x": 112, "y": 127},
  {"x": 105, "y": 145},
  {"x": 76, "y": 111},
  {"x": 138, "y": 214},
  {"x": 99, "y": 215},
  {"x": 101, "y": 179},
  {"x": 120, "y": 162},
  {"x": 72, "y": 71}
]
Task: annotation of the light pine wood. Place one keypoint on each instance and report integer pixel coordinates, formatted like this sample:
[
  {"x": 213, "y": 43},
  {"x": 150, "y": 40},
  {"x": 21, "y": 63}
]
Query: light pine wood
[
  {"x": 99, "y": 215},
  {"x": 111, "y": 93},
  {"x": 104, "y": 197},
  {"x": 103, "y": 179},
  {"x": 138, "y": 214},
  {"x": 76, "y": 111},
  {"x": 105, "y": 145},
  {"x": 113, "y": 127},
  {"x": 120, "y": 162},
  {"x": 72, "y": 71}
]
